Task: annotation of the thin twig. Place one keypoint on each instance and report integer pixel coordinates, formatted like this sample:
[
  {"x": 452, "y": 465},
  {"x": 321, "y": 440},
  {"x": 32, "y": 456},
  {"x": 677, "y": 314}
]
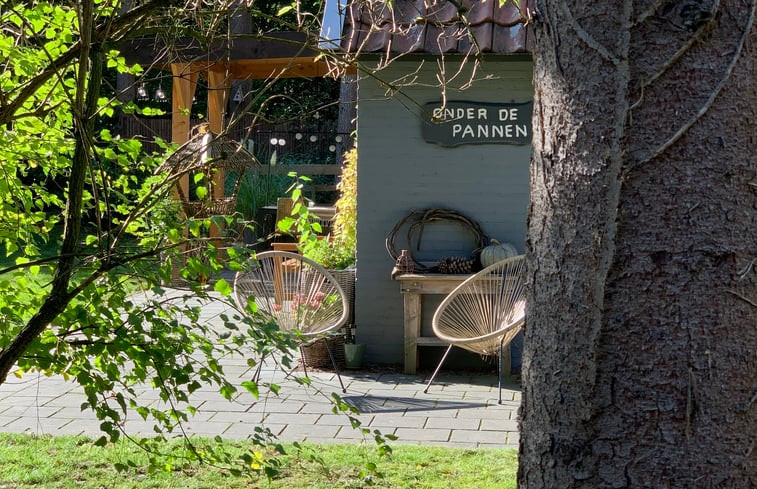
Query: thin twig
[
  {"x": 677, "y": 56},
  {"x": 586, "y": 37},
  {"x": 648, "y": 12},
  {"x": 745, "y": 299}
]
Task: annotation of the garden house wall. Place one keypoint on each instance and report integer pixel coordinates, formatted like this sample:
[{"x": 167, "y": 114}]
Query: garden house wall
[{"x": 400, "y": 172}]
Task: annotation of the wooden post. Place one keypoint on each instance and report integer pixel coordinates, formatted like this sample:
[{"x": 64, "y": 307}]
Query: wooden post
[
  {"x": 184, "y": 85},
  {"x": 219, "y": 87}
]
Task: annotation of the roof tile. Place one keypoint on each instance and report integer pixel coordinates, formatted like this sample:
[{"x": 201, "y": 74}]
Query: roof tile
[
  {"x": 509, "y": 13},
  {"x": 375, "y": 12},
  {"x": 436, "y": 26},
  {"x": 509, "y": 39},
  {"x": 443, "y": 39},
  {"x": 482, "y": 35},
  {"x": 480, "y": 12},
  {"x": 408, "y": 11},
  {"x": 441, "y": 12},
  {"x": 409, "y": 39}
]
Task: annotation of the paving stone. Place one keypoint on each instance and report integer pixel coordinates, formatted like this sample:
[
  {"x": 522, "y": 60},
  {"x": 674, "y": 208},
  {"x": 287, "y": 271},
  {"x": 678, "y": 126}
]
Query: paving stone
[
  {"x": 72, "y": 428},
  {"x": 340, "y": 420},
  {"x": 499, "y": 425},
  {"x": 74, "y": 412},
  {"x": 137, "y": 426},
  {"x": 402, "y": 380},
  {"x": 72, "y": 398},
  {"x": 32, "y": 411},
  {"x": 42, "y": 426},
  {"x": 497, "y": 446},
  {"x": 478, "y": 436},
  {"x": 6, "y": 420},
  {"x": 425, "y": 434},
  {"x": 386, "y": 393},
  {"x": 244, "y": 430},
  {"x": 325, "y": 441},
  {"x": 347, "y": 434},
  {"x": 408, "y": 441},
  {"x": 494, "y": 412},
  {"x": 208, "y": 428},
  {"x": 223, "y": 405},
  {"x": 513, "y": 438},
  {"x": 287, "y": 418},
  {"x": 317, "y": 408},
  {"x": 302, "y": 432},
  {"x": 454, "y": 423},
  {"x": 281, "y": 406},
  {"x": 393, "y": 421}
]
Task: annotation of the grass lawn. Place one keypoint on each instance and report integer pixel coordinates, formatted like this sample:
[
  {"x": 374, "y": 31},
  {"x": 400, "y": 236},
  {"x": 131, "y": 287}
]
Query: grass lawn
[{"x": 45, "y": 462}]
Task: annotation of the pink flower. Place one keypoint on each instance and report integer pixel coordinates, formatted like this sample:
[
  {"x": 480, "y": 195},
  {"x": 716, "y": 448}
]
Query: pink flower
[{"x": 276, "y": 307}]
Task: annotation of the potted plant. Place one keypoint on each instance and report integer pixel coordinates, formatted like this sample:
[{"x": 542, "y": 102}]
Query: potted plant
[{"x": 336, "y": 251}]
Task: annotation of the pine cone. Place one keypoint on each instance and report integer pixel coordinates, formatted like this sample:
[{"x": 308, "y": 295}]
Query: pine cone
[{"x": 456, "y": 265}]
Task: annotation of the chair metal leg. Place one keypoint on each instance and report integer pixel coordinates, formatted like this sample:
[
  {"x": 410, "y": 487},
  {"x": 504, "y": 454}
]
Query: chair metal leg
[
  {"x": 304, "y": 363},
  {"x": 256, "y": 375},
  {"x": 333, "y": 362},
  {"x": 438, "y": 367},
  {"x": 499, "y": 367}
]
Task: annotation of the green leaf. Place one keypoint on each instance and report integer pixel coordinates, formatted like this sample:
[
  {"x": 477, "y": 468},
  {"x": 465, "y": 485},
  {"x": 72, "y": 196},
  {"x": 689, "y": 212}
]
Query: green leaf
[
  {"x": 222, "y": 287},
  {"x": 252, "y": 388},
  {"x": 285, "y": 9}
]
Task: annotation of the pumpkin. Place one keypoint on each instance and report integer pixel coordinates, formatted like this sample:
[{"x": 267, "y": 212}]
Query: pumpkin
[{"x": 495, "y": 252}]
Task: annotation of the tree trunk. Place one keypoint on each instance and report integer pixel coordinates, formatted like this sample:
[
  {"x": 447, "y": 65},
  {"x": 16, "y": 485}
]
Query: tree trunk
[
  {"x": 88, "y": 82},
  {"x": 640, "y": 355}
]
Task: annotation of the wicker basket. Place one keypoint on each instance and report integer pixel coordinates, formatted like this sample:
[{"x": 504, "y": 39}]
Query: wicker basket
[
  {"x": 346, "y": 280},
  {"x": 202, "y": 209},
  {"x": 316, "y": 355}
]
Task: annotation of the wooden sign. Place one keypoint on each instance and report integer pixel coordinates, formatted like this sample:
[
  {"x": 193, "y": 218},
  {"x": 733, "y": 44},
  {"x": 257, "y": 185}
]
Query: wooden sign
[{"x": 464, "y": 122}]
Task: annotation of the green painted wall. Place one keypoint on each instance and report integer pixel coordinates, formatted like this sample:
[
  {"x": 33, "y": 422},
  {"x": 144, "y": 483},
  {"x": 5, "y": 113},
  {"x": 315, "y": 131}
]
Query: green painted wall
[{"x": 399, "y": 172}]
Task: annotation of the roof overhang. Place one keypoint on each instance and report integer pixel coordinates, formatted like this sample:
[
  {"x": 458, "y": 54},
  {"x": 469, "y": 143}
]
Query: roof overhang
[{"x": 274, "y": 54}]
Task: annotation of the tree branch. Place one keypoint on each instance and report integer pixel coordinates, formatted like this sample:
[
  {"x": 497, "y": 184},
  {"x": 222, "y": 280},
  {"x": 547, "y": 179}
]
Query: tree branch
[{"x": 121, "y": 28}]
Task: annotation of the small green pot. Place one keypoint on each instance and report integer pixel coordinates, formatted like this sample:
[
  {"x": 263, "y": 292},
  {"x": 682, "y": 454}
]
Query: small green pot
[{"x": 353, "y": 355}]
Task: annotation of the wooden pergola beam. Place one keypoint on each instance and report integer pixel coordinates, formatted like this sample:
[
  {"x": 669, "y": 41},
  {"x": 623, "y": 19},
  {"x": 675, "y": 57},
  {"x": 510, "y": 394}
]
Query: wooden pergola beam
[{"x": 182, "y": 92}]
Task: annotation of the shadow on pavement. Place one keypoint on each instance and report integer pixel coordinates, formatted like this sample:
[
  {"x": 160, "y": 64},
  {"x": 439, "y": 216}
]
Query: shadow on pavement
[{"x": 373, "y": 404}]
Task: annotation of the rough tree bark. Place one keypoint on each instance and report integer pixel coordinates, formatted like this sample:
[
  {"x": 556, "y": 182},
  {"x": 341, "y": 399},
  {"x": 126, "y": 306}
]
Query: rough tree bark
[{"x": 641, "y": 345}]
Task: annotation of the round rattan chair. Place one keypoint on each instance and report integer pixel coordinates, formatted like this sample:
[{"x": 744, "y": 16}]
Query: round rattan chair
[
  {"x": 484, "y": 313},
  {"x": 297, "y": 293}
]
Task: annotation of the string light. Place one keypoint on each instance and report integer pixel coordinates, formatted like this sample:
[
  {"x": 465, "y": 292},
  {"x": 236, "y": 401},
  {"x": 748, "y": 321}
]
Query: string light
[
  {"x": 142, "y": 92},
  {"x": 160, "y": 95}
]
